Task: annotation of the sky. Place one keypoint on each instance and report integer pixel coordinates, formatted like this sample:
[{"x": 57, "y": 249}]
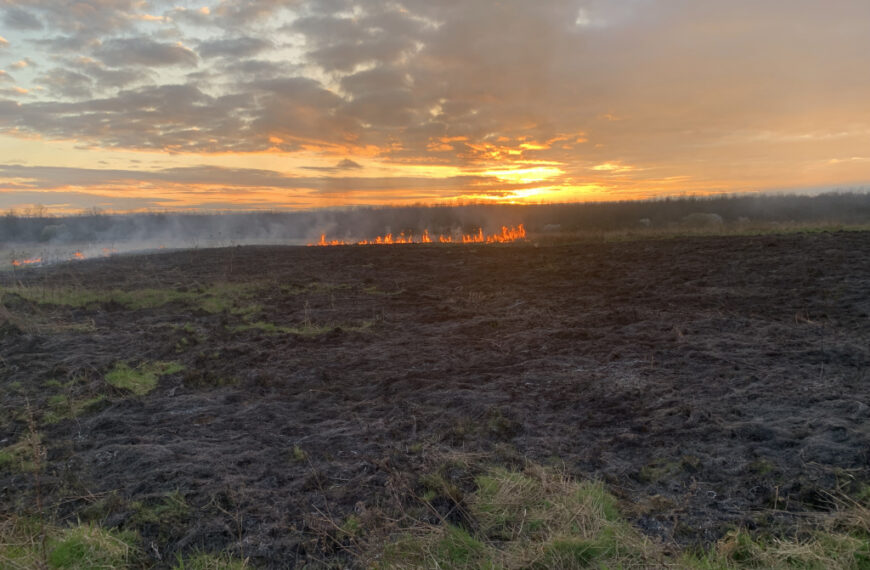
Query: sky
[{"x": 129, "y": 105}]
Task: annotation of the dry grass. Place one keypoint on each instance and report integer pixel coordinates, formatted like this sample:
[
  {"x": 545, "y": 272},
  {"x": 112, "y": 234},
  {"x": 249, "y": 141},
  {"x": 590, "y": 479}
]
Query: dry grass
[
  {"x": 534, "y": 518},
  {"x": 79, "y": 547},
  {"x": 539, "y": 518}
]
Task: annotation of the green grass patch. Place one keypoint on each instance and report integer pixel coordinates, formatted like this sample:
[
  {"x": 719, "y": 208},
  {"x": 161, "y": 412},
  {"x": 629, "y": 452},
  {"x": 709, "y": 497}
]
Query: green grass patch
[
  {"x": 538, "y": 518},
  {"x": 298, "y": 454},
  {"x": 7, "y": 458},
  {"x": 535, "y": 518},
  {"x": 167, "y": 515},
  {"x": 834, "y": 547},
  {"x": 19, "y": 457},
  {"x": 87, "y": 547},
  {"x": 63, "y": 407},
  {"x": 80, "y": 547},
  {"x": 141, "y": 379},
  {"x": 446, "y": 546}
]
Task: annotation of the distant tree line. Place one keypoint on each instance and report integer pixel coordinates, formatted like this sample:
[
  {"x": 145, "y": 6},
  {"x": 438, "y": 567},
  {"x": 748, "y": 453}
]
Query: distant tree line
[{"x": 35, "y": 226}]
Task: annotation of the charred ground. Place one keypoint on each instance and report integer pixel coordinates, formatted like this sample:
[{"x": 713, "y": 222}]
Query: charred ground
[{"x": 711, "y": 382}]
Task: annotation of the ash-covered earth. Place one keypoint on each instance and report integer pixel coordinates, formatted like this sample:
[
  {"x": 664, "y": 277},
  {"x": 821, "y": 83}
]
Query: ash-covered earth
[{"x": 710, "y": 382}]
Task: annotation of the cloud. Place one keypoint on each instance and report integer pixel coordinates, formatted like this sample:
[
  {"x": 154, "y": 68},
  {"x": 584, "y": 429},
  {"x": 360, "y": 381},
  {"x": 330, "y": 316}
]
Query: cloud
[
  {"x": 13, "y": 197},
  {"x": 13, "y": 92},
  {"x": 84, "y": 18},
  {"x": 241, "y": 47},
  {"x": 22, "y": 63},
  {"x": 3, "y": 42},
  {"x": 200, "y": 17},
  {"x": 471, "y": 85},
  {"x": 18, "y": 19},
  {"x": 258, "y": 70},
  {"x": 106, "y": 78},
  {"x": 236, "y": 13},
  {"x": 348, "y": 164},
  {"x": 65, "y": 45},
  {"x": 143, "y": 51},
  {"x": 344, "y": 164},
  {"x": 342, "y": 43},
  {"x": 161, "y": 117},
  {"x": 6, "y": 77},
  {"x": 65, "y": 83},
  {"x": 52, "y": 177}
]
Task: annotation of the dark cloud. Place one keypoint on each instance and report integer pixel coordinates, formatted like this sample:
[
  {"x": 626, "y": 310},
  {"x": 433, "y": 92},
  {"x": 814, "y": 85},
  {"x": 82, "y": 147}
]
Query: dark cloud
[
  {"x": 259, "y": 70},
  {"x": 8, "y": 108},
  {"x": 340, "y": 43},
  {"x": 161, "y": 117},
  {"x": 344, "y": 164},
  {"x": 50, "y": 177},
  {"x": 345, "y": 56},
  {"x": 85, "y": 18},
  {"x": 143, "y": 51},
  {"x": 65, "y": 83},
  {"x": 242, "y": 47},
  {"x": 348, "y": 164},
  {"x": 106, "y": 78},
  {"x": 300, "y": 109},
  {"x": 18, "y": 19},
  {"x": 15, "y": 196},
  {"x": 64, "y": 45},
  {"x": 182, "y": 118}
]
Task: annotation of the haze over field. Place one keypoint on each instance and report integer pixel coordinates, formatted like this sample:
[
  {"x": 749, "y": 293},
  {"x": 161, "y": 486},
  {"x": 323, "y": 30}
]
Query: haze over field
[{"x": 285, "y": 104}]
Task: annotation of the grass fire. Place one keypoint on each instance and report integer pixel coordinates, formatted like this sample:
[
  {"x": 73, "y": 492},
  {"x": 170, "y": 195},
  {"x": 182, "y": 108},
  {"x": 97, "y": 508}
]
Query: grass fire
[
  {"x": 625, "y": 400},
  {"x": 430, "y": 284},
  {"x": 506, "y": 235}
]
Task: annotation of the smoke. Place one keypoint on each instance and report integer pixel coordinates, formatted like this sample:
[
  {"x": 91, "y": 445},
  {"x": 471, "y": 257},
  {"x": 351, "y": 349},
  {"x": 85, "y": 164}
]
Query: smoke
[{"x": 97, "y": 234}]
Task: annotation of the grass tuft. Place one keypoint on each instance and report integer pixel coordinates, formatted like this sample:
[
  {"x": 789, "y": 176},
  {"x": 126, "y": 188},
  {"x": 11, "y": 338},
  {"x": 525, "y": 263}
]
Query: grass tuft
[
  {"x": 80, "y": 547},
  {"x": 90, "y": 547},
  {"x": 537, "y": 518},
  {"x": 143, "y": 378},
  {"x": 534, "y": 518}
]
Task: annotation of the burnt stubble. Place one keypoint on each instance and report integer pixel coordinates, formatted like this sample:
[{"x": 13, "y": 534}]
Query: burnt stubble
[{"x": 711, "y": 382}]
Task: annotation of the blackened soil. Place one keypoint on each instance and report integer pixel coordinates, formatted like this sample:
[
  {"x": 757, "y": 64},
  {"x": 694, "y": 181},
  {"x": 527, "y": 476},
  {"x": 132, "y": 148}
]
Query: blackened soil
[{"x": 711, "y": 382}]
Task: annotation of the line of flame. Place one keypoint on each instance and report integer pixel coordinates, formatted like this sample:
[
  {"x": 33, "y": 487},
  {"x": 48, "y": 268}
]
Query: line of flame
[
  {"x": 76, "y": 255},
  {"x": 506, "y": 235}
]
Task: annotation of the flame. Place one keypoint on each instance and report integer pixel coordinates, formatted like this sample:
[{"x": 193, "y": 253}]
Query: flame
[
  {"x": 333, "y": 242},
  {"x": 31, "y": 261},
  {"x": 78, "y": 255},
  {"x": 506, "y": 235}
]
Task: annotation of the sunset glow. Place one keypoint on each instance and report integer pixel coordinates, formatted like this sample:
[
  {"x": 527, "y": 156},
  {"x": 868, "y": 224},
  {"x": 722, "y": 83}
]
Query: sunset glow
[{"x": 218, "y": 105}]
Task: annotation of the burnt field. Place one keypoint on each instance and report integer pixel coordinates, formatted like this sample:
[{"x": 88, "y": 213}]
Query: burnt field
[{"x": 253, "y": 400}]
